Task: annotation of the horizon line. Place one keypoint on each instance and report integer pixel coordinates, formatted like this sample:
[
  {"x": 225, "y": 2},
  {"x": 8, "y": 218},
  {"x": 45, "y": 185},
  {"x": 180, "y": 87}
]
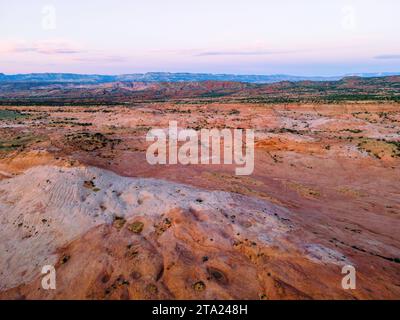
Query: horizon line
[{"x": 207, "y": 73}]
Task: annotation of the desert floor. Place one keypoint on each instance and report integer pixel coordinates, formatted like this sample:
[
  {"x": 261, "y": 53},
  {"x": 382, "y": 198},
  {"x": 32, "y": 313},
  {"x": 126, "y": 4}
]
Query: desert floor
[{"x": 76, "y": 192}]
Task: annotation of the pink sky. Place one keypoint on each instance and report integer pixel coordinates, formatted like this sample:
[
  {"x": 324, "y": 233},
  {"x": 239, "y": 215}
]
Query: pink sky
[{"x": 305, "y": 37}]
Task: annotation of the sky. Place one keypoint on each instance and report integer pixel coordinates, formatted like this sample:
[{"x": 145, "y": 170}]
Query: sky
[{"x": 298, "y": 37}]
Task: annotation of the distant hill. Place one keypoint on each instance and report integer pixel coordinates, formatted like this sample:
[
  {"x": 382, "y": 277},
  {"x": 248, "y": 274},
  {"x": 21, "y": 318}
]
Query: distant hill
[
  {"x": 168, "y": 77},
  {"x": 128, "y": 92}
]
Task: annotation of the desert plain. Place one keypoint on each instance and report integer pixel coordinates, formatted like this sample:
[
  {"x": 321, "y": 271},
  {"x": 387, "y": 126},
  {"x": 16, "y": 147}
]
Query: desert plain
[{"x": 77, "y": 192}]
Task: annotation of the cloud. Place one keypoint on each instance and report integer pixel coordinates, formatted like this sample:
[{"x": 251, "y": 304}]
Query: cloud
[
  {"x": 388, "y": 56},
  {"x": 53, "y": 47},
  {"x": 59, "y": 51},
  {"x": 46, "y": 50},
  {"x": 100, "y": 58},
  {"x": 255, "y": 52},
  {"x": 240, "y": 53}
]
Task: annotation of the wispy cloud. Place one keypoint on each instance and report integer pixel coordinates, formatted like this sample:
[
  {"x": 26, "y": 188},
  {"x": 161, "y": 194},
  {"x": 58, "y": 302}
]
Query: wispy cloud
[
  {"x": 53, "y": 47},
  {"x": 241, "y": 53},
  {"x": 101, "y": 59},
  {"x": 46, "y": 50},
  {"x": 58, "y": 52},
  {"x": 388, "y": 56}
]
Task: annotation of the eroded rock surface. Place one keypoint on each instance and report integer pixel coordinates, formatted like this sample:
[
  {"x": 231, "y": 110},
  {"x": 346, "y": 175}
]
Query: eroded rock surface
[
  {"x": 324, "y": 193},
  {"x": 112, "y": 237}
]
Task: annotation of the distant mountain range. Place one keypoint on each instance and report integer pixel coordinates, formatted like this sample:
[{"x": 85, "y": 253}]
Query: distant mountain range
[{"x": 171, "y": 77}]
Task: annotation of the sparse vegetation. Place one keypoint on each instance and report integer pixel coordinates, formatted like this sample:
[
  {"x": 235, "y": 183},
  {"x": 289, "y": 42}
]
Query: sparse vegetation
[
  {"x": 380, "y": 148},
  {"x": 12, "y": 115},
  {"x": 88, "y": 141},
  {"x": 19, "y": 141}
]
